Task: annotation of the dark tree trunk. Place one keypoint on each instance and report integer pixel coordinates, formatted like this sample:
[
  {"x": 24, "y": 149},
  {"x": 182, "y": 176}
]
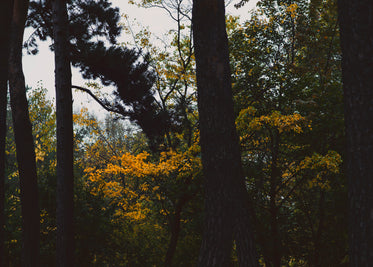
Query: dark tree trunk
[
  {"x": 24, "y": 139},
  {"x": 226, "y": 200},
  {"x": 5, "y": 15},
  {"x": 318, "y": 244},
  {"x": 356, "y": 24},
  {"x": 273, "y": 208},
  {"x": 65, "y": 178},
  {"x": 276, "y": 253},
  {"x": 3, "y": 106},
  {"x": 175, "y": 229}
]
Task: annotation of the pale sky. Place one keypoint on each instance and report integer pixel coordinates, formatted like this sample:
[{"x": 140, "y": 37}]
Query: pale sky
[{"x": 40, "y": 67}]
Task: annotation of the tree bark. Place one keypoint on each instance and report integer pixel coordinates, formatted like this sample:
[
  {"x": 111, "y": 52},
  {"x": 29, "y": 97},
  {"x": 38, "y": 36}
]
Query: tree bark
[
  {"x": 24, "y": 139},
  {"x": 273, "y": 208},
  {"x": 318, "y": 242},
  {"x": 356, "y": 24},
  {"x": 65, "y": 177},
  {"x": 276, "y": 253},
  {"x": 5, "y": 16},
  {"x": 226, "y": 200},
  {"x": 175, "y": 229}
]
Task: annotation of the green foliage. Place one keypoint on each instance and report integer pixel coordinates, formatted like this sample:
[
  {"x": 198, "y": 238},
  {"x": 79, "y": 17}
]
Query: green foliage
[
  {"x": 286, "y": 79},
  {"x": 136, "y": 192},
  {"x": 125, "y": 227},
  {"x": 42, "y": 115},
  {"x": 288, "y": 101},
  {"x": 174, "y": 68}
]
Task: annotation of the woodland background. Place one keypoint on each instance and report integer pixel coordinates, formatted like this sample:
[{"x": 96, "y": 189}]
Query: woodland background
[{"x": 138, "y": 191}]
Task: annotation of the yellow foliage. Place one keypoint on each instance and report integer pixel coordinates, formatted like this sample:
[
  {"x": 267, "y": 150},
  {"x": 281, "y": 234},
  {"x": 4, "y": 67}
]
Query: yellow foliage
[
  {"x": 292, "y": 10},
  {"x": 320, "y": 166},
  {"x": 130, "y": 181},
  {"x": 256, "y": 134},
  {"x": 248, "y": 123}
]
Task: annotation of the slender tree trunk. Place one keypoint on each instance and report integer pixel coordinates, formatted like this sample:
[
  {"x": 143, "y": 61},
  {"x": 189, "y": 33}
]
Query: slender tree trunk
[
  {"x": 226, "y": 201},
  {"x": 318, "y": 244},
  {"x": 175, "y": 229},
  {"x": 356, "y": 24},
  {"x": 65, "y": 177},
  {"x": 5, "y": 15},
  {"x": 273, "y": 209},
  {"x": 276, "y": 254},
  {"x": 24, "y": 139}
]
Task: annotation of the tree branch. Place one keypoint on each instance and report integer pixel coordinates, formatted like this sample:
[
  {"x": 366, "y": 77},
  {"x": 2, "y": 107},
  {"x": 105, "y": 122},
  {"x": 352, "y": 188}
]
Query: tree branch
[{"x": 99, "y": 101}]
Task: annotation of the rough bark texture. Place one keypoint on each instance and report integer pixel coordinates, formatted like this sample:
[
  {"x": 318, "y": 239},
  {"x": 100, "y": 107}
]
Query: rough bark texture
[
  {"x": 356, "y": 24},
  {"x": 226, "y": 201},
  {"x": 65, "y": 178},
  {"x": 24, "y": 139},
  {"x": 5, "y": 15}
]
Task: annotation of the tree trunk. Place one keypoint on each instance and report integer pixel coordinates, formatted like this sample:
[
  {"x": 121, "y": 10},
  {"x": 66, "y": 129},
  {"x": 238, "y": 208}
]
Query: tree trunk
[
  {"x": 5, "y": 16},
  {"x": 318, "y": 244},
  {"x": 175, "y": 229},
  {"x": 226, "y": 201},
  {"x": 3, "y": 106},
  {"x": 356, "y": 24},
  {"x": 65, "y": 178},
  {"x": 24, "y": 139},
  {"x": 276, "y": 253},
  {"x": 273, "y": 209}
]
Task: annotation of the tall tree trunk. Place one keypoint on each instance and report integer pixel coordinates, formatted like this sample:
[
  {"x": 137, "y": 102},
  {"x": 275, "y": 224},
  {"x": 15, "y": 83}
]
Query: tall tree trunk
[
  {"x": 24, "y": 139},
  {"x": 3, "y": 107},
  {"x": 65, "y": 177},
  {"x": 5, "y": 15},
  {"x": 356, "y": 24},
  {"x": 226, "y": 200}
]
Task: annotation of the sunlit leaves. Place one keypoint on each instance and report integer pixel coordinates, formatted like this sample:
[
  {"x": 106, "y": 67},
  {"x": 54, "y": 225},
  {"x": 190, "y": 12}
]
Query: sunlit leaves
[
  {"x": 131, "y": 182},
  {"x": 247, "y": 121}
]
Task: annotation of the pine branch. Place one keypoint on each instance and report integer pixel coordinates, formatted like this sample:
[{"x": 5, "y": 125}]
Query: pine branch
[{"x": 101, "y": 102}]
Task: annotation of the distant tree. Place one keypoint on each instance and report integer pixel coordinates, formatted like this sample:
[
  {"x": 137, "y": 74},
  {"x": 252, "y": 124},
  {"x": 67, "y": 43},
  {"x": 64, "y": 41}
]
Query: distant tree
[
  {"x": 64, "y": 102},
  {"x": 24, "y": 139},
  {"x": 5, "y": 17},
  {"x": 227, "y": 215},
  {"x": 356, "y": 22}
]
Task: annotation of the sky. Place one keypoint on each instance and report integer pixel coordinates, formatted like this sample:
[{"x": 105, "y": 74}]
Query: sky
[{"x": 40, "y": 68}]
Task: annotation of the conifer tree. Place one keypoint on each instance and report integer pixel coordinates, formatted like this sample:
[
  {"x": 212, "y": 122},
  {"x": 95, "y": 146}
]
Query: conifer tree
[
  {"x": 127, "y": 69},
  {"x": 130, "y": 73}
]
